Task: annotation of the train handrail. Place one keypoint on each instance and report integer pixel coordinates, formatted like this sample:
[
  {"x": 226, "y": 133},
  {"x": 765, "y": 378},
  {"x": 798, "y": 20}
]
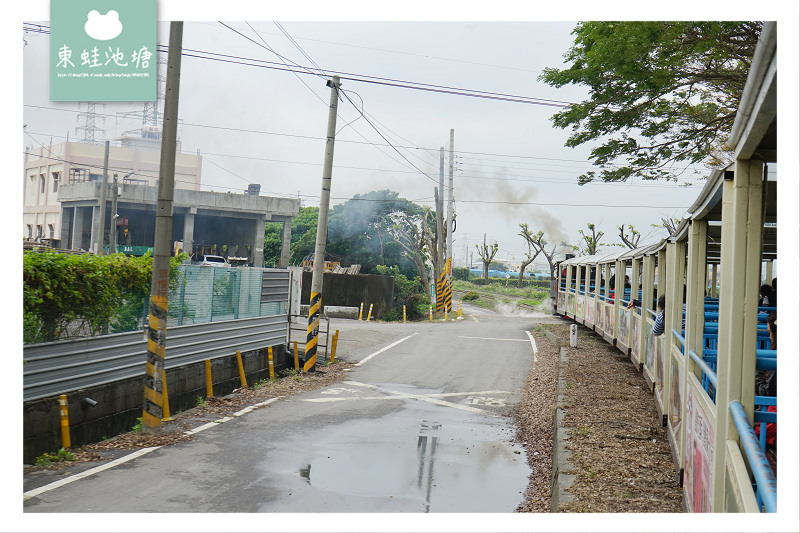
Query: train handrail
[
  {"x": 766, "y": 482},
  {"x": 710, "y": 374}
]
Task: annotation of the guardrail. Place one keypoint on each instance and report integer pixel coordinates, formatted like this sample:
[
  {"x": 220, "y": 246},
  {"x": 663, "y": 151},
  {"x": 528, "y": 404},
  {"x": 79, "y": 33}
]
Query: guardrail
[{"x": 54, "y": 368}]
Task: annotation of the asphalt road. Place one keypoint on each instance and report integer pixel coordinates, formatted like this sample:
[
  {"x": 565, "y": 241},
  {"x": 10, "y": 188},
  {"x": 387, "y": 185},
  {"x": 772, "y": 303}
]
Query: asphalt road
[{"x": 419, "y": 426}]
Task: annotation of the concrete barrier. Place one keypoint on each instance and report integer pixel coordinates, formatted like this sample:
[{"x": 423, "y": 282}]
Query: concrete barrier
[{"x": 334, "y": 311}]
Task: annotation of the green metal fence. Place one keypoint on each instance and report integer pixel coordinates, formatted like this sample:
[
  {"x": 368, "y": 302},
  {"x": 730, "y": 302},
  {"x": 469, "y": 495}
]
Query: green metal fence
[{"x": 211, "y": 294}]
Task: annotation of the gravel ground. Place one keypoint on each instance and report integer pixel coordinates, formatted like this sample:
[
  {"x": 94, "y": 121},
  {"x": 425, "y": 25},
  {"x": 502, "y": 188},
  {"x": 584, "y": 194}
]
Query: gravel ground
[
  {"x": 620, "y": 455},
  {"x": 619, "y": 451}
]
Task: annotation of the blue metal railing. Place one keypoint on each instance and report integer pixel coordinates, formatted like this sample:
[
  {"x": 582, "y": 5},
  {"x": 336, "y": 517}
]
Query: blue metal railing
[
  {"x": 710, "y": 374},
  {"x": 766, "y": 484}
]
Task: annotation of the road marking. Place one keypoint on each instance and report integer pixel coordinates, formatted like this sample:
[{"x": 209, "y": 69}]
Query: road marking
[
  {"x": 533, "y": 345},
  {"x": 492, "y": 339},
  {"x": 431, "y": 398},
  {"x": 486, "y": 400},
  {"x": 92, "y": 471},
  {"x": 138, "y": 453},
  {"x": 367, "y": 358}
]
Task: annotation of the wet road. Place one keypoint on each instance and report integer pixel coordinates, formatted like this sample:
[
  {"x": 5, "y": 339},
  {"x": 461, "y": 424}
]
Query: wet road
[{"x": 421, "y": 425}]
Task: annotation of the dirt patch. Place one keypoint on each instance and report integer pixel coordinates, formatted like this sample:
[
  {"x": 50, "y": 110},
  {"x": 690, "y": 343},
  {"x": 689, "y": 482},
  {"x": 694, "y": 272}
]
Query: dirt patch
[{"x": 620, "y": 454}]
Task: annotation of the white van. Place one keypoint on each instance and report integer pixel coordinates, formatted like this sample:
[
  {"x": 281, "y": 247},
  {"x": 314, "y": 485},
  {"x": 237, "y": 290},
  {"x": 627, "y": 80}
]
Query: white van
[{"x": 213, "y": 260}]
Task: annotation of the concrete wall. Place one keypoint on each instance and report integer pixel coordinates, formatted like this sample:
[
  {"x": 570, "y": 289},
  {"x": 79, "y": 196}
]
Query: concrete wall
[
  {"x": 119, "y": 404},
  {"x": 348, "y": 290}
]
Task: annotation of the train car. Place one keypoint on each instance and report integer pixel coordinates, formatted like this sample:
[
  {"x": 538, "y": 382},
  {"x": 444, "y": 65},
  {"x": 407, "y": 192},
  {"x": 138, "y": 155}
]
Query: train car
[{"x": 704, "y": 369}]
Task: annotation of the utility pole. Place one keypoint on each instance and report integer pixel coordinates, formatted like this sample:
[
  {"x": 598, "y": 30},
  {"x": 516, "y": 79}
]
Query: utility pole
[
  {"x": 315, "y": 299},
  {"x": 100, "y": 223},
  {"x": 112, "y": 235},
  {"x": 157, "y": 323},
  {"x": 440, "y": 229},
  {"x": 450, "y": 201}
]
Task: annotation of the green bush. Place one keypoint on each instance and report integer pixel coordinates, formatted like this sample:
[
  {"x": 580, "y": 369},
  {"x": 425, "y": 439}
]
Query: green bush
[
  {"x": 461, "y": 273},
  {"x": 408, "y": 292},
  {"x": 97, "y": 292},
  {"x": 470, "y": 296}
]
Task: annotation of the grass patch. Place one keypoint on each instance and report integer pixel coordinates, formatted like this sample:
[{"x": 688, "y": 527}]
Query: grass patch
[{"x": 50, "y": 458}]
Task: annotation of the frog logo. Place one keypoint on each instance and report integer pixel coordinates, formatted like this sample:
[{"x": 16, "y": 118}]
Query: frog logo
[{"x": 103, "y": 27}]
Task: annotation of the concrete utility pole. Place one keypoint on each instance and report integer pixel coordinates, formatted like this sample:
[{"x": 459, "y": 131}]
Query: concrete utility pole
[
  {"x": 440, "y": 229},
  {"x": 157, "y": 325},
  {"x": 315, "y": 298},
  {"x": 450, "y": 201},
  {"x": 112, "y": 235},
  {"x": 100, "y": 222}
]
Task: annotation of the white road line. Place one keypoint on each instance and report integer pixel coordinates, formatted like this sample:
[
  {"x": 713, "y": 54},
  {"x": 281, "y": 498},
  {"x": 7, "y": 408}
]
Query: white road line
[
  {"x": 492, "y": 339},
  {"x": 423, "y": 397},
  {"x": 437, "y": 394},
  {"x": 533, "y": 345},
  {"x": 138, "y": 453},
  {"x": 92, "y": 471},
  {"x": 383, "y": 350}
]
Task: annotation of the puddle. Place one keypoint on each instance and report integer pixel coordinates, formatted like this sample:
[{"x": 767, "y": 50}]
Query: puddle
[{"x": 421, "y": 458}]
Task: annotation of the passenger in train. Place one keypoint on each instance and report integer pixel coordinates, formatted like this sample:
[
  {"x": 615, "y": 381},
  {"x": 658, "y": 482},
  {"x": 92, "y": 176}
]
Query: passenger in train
[
  {"x": 767, "y": 296},
  {"x": 767, "y": 385},
  {"x": 658, "y": 327}
]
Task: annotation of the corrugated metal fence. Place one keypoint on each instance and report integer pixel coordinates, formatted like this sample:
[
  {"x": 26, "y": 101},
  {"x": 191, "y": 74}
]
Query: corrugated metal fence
[{"x": 59, "y": 367}]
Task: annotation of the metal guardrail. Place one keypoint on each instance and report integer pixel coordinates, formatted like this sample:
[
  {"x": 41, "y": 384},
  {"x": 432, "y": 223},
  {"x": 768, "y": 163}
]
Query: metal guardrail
[
  {"x": 304, "y": 331},
  {"x": 59, "y": 367}
]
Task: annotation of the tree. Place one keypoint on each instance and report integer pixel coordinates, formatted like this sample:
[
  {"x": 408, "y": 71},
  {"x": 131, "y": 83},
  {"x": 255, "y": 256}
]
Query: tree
[
  {"x": 359, "y": 231},
  {"x": 538, "y": 242},
  {"x": 487, "y": 253},
  {"x": 632, "y": 240},
  {"x": 408, "y": 232},
  {"x": 526, "y": 234},
  {"x": 591, "y": 242},
  {"x": 669, "y": 224},
  {"x": 663, "y": 95}
]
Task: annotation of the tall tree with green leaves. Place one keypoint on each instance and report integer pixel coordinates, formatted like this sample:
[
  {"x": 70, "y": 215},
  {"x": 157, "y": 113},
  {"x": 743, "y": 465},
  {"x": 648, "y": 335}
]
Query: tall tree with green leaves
[
  {"x": 359, "y": 231},
  {"x": 662, "y": 95}
]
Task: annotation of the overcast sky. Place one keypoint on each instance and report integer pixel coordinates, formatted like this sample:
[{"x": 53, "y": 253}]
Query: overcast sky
[
  {"x": 267, "y": 126},
  {"x": 255, "y": 125}
]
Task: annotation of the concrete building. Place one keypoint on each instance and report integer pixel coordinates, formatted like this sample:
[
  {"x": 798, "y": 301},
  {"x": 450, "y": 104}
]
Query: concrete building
[
  {"x": 203, "y": 222},
  {"x": 47, "y": 168},
  {"x": 62, "y": 199}
]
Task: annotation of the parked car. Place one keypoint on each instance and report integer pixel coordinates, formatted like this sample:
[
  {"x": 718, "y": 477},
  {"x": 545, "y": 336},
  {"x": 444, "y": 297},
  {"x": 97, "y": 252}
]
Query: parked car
[{"x": 213, "y": 260}]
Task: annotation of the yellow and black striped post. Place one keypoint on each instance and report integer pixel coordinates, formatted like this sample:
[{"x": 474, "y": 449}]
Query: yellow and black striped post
[
  {"x": 153, "y": 411},
  {"x": 312, "y": 334}
]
